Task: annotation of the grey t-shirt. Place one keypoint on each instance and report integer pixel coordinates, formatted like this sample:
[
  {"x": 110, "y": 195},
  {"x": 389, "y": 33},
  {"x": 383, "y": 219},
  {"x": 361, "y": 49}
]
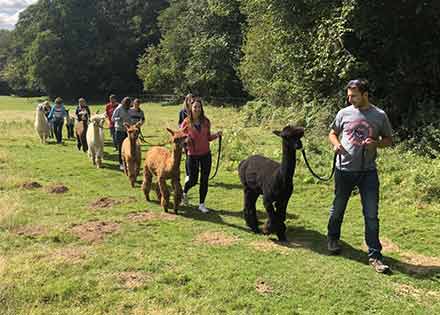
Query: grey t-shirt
[
  {"x": 136, "y": 116},
  {"x": 120, "y": 116},
  {"x": 353, "y": 126}
]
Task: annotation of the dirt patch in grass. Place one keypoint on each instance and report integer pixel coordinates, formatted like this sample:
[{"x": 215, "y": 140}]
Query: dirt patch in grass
[
  {"x": 132, "y": 279},
  {"x": 57, "y": 189},
  {"x": 30, "y": 185},
  {"x": 216, "y": 238},
  {"x": 411, "y": 262},
  {"x": 148, "y": 216},
  {"x": 388, "y": 246},
  {"x": 420, "y": 264},
  {"x": 417, "y": 294},
  {"x": 103, "y": 203},
  {"x": 31, "y": 231},
  {"x": 94, "y": 231},
  {"x": 273, "y": 246},
  {"x": 262, "y": 287}
]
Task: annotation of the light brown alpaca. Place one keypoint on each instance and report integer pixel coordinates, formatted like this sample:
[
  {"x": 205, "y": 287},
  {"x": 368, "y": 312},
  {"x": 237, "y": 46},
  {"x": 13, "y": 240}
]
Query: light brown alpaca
[
  {"x": 165, "y": 164},
  {"x": 131, "y": 152}
]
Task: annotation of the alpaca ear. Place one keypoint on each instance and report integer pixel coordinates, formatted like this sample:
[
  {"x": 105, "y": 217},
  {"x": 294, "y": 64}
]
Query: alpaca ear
[
  {"x": 170, "y": 131},
  {"x": 126, "y": 125},
  {"x": 277, "y": 132}
]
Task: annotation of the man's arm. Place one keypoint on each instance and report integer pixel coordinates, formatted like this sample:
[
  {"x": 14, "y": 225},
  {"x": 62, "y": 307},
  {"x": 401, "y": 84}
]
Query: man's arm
[{"x": 333, "y": 137}]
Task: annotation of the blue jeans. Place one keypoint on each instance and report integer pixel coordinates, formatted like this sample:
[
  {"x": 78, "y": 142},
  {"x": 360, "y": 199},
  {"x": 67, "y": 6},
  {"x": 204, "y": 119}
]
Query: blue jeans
[
  {"x": 368, "y": 184},
  {"x": 119, "y": 137},
  {"x": 58, "y": 129},
  {"x": 113, "y": 134}
]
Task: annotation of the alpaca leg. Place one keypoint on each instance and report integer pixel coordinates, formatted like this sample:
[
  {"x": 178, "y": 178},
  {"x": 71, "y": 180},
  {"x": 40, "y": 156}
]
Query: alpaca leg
[
  {"x": 250, "y": 210},
  {"x": 177, "y": 194},
  {"x": 164, "y": 201},
  {"x": 78, "y": 142},
  {"x": 281, "y": 207},
  {"x": 157, "y": 190},
  {"x": 146, "y": 183},
  {"x": 270, "y": 225},
  {"x": 131, "y": 173}
]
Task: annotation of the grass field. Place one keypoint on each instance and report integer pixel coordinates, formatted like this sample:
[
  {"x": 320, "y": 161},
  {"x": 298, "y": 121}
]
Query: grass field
[{"x": 100, "y": 248}]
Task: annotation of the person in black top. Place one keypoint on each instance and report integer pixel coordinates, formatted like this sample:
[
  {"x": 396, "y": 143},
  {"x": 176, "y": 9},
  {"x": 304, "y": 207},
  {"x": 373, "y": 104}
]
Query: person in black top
[{"x": 186, "y": 109}]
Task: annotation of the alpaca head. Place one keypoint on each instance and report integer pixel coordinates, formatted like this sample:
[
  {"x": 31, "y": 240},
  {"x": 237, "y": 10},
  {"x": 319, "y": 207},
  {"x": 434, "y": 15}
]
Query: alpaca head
[
  {"x": 178, "y": 138},
  {"x": 291, "y": 136},
  {"x": 133, "y": 131},
  {"x": 98, "y": 120}
]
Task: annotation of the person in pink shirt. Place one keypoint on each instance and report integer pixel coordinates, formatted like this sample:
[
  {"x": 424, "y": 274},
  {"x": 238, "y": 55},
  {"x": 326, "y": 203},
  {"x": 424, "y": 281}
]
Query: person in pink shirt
[
  {"x": 198, "y": 128},
  {"x": 109, "y": 109}
]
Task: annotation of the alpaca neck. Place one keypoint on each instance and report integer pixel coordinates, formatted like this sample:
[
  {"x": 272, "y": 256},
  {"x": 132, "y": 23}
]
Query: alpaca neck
[
  {"x": 288, "y": 162},
  {"x": 132, "y": 146},
  {"x": 96, "y": 133},
  {"x": 176, "y": 156}
]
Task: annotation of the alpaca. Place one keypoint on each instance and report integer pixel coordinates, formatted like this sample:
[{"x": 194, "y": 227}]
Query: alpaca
[
  {"x": 131, "y": 152},
  {"x": 81, "y": 131},
  {"x": 70, "y": 122},
  {"x": 95, "y": 139},
  {"x": 262, "y": 176},
  {"x": 41, "y": 123},
  {"x": 165, "y": 164}
]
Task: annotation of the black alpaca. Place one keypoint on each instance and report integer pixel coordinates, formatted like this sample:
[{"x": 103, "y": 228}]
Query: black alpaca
[{"x": 262, "y": 176}]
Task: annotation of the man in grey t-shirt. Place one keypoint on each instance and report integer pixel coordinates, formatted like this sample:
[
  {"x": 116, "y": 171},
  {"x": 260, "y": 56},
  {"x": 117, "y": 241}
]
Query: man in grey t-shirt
[{"x": 356, "y": 133}]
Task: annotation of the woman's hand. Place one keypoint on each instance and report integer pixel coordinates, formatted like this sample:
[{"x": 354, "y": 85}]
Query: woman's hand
[{"x": 219, "y": 133}]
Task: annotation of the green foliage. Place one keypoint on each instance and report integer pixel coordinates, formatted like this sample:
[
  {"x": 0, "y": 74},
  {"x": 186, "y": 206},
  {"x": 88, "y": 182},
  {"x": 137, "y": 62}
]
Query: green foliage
[
  {"x": 80, "y": 47},
  {"x": 199, "y": 50}
]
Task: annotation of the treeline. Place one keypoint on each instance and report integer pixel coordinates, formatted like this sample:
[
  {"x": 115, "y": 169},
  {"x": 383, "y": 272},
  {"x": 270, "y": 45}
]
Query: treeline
[{"x": 298, "y": 52}]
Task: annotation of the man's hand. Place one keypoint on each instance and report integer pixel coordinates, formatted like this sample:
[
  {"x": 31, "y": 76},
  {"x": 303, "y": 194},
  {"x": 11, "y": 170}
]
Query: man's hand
[
  {"x": 370, "y": 144},
  {"x": 339, "y": 149}
]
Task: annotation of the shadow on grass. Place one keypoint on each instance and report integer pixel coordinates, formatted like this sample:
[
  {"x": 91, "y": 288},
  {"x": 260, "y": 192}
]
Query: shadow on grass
[
  {"x": 111, "y": 157},
  {"x": 225, "y": 185},
  {"x": 317, "y": 242}
]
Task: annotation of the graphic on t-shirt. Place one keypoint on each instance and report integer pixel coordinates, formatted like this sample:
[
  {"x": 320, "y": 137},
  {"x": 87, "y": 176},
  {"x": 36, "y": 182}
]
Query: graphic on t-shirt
[{"x": 357, "y": 131}]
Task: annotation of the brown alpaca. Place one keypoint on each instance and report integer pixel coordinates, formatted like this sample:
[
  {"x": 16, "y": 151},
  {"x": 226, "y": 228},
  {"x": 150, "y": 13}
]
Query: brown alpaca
[
  {"x": 80, "y": 132},
  {"x": 165, "y": 164},
  {"x": 131, "y": 152}
]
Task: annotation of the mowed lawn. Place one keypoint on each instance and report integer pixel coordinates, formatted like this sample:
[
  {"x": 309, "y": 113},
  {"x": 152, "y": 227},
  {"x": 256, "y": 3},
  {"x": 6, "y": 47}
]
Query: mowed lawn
[{"x": 100, "y": 248}]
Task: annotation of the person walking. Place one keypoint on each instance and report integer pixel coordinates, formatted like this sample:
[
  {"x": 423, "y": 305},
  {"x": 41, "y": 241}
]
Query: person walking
[
  {"x": 56, "y": 116},
  {"x": 136, "y": 113},
  {"x": 82, "y": 111},
  {"x": 356, "y": 133},
  {"x": 109, "y": 109},
  {"x": 198, "y": 129},
  {"x": 121, "y": 116}
]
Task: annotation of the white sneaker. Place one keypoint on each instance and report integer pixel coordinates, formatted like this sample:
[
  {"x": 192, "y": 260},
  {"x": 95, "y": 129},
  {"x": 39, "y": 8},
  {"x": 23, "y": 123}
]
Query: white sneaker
[
  {"x": 202, "y": 208},
  {"x": 121, "y": 167},
  {"x": 185, "y": 201}
]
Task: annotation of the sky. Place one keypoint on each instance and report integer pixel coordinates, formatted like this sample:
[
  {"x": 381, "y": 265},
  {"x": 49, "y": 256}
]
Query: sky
[{"x": 9, "y": 10}]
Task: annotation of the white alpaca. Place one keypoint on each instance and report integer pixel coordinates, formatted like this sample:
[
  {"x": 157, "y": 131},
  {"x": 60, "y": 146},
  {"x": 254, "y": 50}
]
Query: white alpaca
[
  {"x": 41, "y": 123},
  {"x": 95, "y": 139}
]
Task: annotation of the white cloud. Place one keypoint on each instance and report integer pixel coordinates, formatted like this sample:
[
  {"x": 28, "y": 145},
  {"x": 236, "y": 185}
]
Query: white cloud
[{"x": 9, "y": 10}]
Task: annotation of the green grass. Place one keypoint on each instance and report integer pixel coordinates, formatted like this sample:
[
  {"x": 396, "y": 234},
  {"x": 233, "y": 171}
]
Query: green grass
[{"x": 46, "y": 269}]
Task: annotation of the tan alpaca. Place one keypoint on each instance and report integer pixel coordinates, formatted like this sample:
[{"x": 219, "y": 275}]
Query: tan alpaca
[
  {"x": 131, "y": 152},
  {"x": 165, "y": 164}
]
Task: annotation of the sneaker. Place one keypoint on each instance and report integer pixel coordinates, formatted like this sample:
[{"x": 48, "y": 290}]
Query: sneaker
[
  {"x": 378, "y": 265},
  {"x": 202, "y": 208},
  {"x": 185, "y": 201},
  {"x": 121, "y": 167},
  {"x": 333, "y": 246},
  {"x": 186, "y": 179}
]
